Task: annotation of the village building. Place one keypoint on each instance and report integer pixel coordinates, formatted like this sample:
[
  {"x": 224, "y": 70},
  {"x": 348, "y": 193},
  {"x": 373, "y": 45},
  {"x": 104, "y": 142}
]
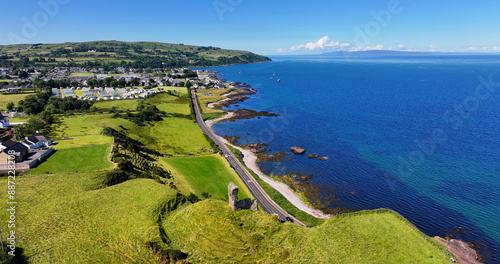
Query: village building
[
  {"x": 4, "y": 121},
  {"x": 19, "y": 152}
]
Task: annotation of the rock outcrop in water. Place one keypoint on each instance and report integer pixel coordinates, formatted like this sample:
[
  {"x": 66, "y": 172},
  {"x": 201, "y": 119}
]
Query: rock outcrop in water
[
  {"x": 297, "y": 150},
  {"x": 236, "y": 205}
]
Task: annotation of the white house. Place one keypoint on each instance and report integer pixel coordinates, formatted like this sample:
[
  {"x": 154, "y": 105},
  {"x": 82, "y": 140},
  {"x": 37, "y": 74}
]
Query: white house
[
  {"x": 4, "y": 121},
  {"x": 36, "y": 141}
]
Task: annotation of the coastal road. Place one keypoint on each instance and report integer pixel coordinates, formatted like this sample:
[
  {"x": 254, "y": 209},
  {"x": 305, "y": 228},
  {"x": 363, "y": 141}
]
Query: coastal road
[{"x": 262, "y": 197}]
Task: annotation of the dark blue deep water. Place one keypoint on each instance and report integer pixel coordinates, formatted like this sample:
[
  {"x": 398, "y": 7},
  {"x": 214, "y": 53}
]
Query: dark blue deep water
[{"x": 419, "y": 135}]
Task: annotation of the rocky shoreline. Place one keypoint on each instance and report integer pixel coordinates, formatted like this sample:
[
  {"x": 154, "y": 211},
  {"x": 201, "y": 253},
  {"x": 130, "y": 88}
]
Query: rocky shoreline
[{"x": 254, "y": 152}]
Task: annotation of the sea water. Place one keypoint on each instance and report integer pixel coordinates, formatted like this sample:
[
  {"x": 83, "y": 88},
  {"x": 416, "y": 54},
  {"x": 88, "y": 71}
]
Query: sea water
[{"x": 416, "y": 134}]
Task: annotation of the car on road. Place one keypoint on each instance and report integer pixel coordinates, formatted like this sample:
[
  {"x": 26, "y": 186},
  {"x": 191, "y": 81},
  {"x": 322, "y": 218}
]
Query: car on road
[{"x": 227, "y": 156}]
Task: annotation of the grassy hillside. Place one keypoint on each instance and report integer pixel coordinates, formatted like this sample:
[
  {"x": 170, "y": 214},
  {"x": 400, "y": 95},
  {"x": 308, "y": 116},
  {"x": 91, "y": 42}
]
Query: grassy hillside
[
  {"x": 120, "y": 53},
  {"x": 211, "y": 233},
  {"x": 209, "y": 174},
  {"x": 73, "y": 218}
]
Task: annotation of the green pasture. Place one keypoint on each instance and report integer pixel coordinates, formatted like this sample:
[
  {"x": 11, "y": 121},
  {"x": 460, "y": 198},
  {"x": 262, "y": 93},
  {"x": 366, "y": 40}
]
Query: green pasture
[
  {"x": 76, "y": 159},
  {"x": 210, "y": 174}
]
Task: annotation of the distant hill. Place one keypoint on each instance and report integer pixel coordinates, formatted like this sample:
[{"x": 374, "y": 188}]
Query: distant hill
[{"x": 121, "y": 54}]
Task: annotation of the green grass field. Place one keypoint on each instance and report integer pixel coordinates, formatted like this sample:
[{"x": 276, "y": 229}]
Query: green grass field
[
  {"x": 73, "y": 218},
  {"x": 211, "y": 233},
  {"x": 76, "y": 159},
  {"x": 172, "y": 136},
  {"x": 82, "y": 74},
  {"x": 204, "y": 100},
  {"x": 209, "y": 174},
  {"x": 84, "y": 125},
  {"x": 164, "y": 102},
  {"x": 130, "y": 104},
  {"x": 183, "y": 91},
  {"x": 17, "y": 120},
  {"x": 78, "y": 93},
  {"x": 15, "y": 98},
  {"x": 82, "y": 141}
]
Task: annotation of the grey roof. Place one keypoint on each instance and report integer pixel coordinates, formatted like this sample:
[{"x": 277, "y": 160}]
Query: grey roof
[
  {"x": 9, "y": 142},
  {"x": 32, "y": 139},
  {"x": 41, "y": 137},
  {"x": 17, "y": 147}
]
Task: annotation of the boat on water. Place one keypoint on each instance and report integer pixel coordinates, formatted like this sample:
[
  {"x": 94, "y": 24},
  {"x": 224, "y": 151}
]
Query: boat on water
[{"x": 279, "y": 80}]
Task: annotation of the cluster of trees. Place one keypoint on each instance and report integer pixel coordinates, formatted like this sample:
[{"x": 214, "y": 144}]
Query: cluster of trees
[
  {"x": 134, "y": 160},
  {"x": 45, "y": 106},
  {"x": 29, "y": 128},
  {"x": 186, "y": 74},
  {"x": 40, "y": 83},
  {"x": 145, "y": 113},
  {"x": 36, "y": 104},
  {"x": 128, "y": 143},
  {"x": 112, "y": 82}
]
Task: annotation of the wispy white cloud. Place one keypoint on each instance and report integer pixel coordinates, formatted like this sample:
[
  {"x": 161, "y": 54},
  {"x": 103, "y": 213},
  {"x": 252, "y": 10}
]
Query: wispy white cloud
[
  {"x": 322, "y": 44},
  {"x": 477, "y": 48},
  {"x": 432, "y": 48},
  {"x": 325, "y": 44},
  {"x": 377, "y": 47}
]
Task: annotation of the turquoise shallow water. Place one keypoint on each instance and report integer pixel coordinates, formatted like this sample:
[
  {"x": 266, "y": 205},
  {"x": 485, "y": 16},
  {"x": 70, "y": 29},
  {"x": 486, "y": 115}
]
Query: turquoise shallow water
[{"x": 420, "y": 135}]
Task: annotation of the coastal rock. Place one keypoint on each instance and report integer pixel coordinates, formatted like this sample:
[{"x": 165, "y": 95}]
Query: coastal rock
[
  {"x": 297, "y": 150},
  {"x": 304, "y": 177},
  {"x": 279, "y": 156},
  {"x": 461, "y": 250},
  {"x": 313, "y": 156},
  {"x": 323, "y": 158},
  {"x": 241, "y": 114}
]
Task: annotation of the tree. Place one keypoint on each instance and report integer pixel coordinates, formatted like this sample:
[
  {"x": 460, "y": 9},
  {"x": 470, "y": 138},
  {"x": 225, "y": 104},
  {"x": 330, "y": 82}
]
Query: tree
[
  {"x": 28, "y": 129},
  {"x": 23, "y": 74},
  {"x": 134, "y": 82},
  {"x": 10, "y": 106},
  {"x": 188, "y": 84},
  {"x": 47, "y": 116}
]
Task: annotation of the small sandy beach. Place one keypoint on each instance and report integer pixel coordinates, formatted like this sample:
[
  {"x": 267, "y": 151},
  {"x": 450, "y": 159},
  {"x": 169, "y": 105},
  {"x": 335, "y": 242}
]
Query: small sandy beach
[{"x": 250, "y": 161}]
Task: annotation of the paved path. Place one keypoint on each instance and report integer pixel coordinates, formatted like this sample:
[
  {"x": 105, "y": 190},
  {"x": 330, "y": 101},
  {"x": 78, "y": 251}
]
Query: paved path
[{"x": 262, "y": 197}]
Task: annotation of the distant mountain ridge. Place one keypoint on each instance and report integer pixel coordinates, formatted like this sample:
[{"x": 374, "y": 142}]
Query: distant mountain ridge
[
  {"x": 399, "y": 53},
  {"x": 122, "y": 54}
]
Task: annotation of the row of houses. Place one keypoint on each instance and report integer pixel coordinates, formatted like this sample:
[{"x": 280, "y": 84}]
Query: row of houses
[{"x": 20, "y": 149}]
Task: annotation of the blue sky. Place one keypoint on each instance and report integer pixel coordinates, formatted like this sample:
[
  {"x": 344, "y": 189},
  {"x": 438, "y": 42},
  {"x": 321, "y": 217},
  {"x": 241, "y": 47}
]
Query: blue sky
[{"x": 265, "y": 27}]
